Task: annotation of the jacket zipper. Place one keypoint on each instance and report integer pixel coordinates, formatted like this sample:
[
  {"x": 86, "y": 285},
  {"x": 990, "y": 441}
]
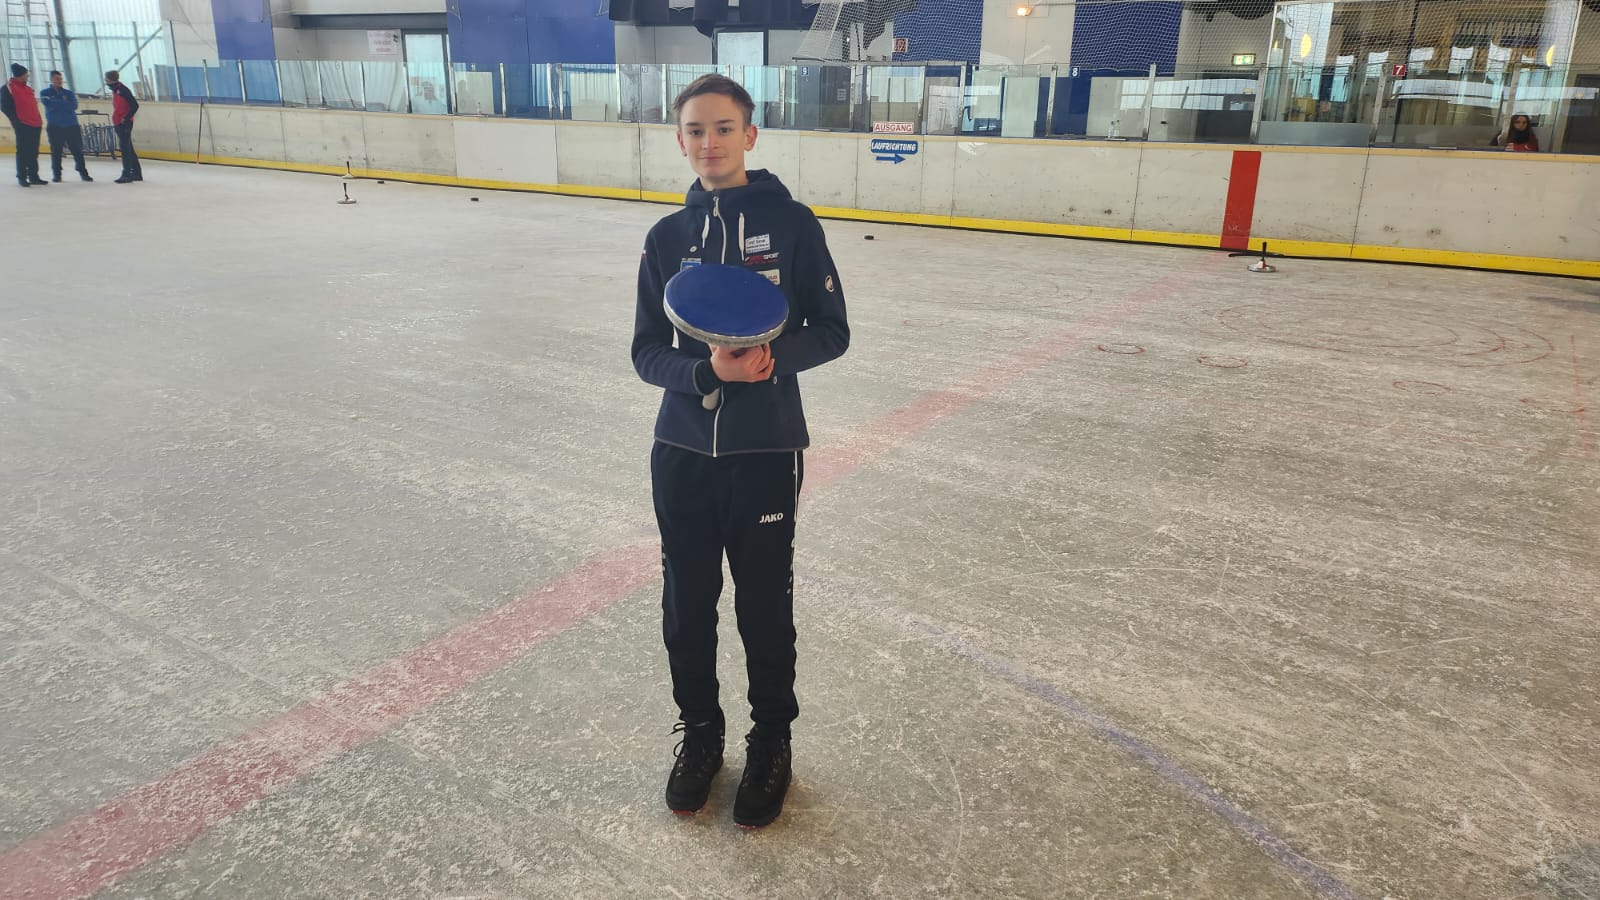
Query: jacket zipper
[{"x": 716, "y": 418}]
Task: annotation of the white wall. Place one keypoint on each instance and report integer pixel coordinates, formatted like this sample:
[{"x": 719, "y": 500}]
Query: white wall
[
  {"x": 634, "y": 44},
  {"x": 783, "y": 44},
  {"x": 295, "y": 43},
  {"x": 1403, "y": 205},
  {"x": 506, "y": 150},
  {"x": 676, "y": 44},
  {"x": 1361, "y": 203},
  {"x": 1044, "y": 38},
  {"x": 1587, "y": 51},
  {"x": 1210, "y": 46},
  {"x": 649, "y": 44},
  {"x": 194, "y": 30},
  {"x": 665, "y": 44},
  {"x": 341, "y": 43}
]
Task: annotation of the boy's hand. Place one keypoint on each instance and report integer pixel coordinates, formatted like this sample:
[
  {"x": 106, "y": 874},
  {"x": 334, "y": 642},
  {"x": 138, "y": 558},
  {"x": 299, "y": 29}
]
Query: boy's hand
[{"x": 752, "y": 365}]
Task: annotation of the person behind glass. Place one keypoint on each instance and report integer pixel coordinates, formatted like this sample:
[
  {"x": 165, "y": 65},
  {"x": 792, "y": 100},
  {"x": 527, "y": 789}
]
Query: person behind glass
[
  {"x": 61, "y": 125},
  {"x": 1519, "y": 136},
  {"x": 123, "y": 108},
  {"x": 22, "y": 108}
]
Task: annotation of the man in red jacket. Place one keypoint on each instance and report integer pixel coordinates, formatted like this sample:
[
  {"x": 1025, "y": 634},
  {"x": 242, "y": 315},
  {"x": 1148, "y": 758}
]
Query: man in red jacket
[
  {"x": 20, "y": 105},
  {"x": 123, "y": 107}
]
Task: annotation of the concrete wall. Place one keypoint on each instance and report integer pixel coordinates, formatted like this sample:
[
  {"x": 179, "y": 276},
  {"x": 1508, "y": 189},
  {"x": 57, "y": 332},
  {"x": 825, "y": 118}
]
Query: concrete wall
[
  {"x": 1551, "y": 214},
  {"x": 1043, "y": 38},
  {"x": 647, "y": 44},
  {"x": 662, "y": 44},
  {"x": 194, "y": 30},
  {"x": 346, "y": 44},
  {"x": 1210, "y": 46},
  {"x": 505, "y": 150},
  {"x": 783, "y": 44},
  {"x": 1586, "y": 49},
  {"x": 296, "y": 43},
  {"x": 1398, "y": 204}
]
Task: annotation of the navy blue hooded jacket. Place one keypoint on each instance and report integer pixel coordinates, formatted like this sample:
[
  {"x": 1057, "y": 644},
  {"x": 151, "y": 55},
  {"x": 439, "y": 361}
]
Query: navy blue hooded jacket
[{"x": 762, "y": 227}]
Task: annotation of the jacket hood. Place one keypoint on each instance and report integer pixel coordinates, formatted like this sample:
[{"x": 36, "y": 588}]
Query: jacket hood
[{"x": 762, "y": 184}]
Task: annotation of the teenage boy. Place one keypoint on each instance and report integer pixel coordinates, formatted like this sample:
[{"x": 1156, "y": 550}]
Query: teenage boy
[{"x": 726, "y": 480}]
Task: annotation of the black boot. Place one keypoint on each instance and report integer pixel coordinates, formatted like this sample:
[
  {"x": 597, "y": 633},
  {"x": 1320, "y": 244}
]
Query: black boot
[
  {"x": 36, "y": 180},
  {"x": 23, "y": 182},
  {"x": 56, "y": 177},
  {"x": 84, "y": 174},
  {"x": 765, "y": 782},
  {"x": 699, "y": 757}
]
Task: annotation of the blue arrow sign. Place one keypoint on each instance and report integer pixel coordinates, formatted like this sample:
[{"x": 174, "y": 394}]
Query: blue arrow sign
[{"x": 894, "y": 151}]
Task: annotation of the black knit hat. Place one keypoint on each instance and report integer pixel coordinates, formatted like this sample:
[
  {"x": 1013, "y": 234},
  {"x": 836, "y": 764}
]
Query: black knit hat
[{"x": 18, "y": 70}]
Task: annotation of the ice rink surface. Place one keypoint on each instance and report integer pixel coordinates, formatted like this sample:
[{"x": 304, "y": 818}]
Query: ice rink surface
[{"x": 328, "y": 567}]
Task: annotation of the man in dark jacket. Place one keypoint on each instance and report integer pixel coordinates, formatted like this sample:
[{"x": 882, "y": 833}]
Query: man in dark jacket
[
  {"x": 123, "y": 108},
  {"x": 61, "y": 126},
  {"x": 726, "y": 479},
  {"x": 19, "y": 105}
]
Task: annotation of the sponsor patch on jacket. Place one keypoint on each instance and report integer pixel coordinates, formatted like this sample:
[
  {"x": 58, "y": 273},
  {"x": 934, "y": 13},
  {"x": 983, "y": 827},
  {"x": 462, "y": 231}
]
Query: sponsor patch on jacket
[
  {"x": 770, "y": 274},
  {"x": 828, "y": 283},
  {"x": 761, "y": 259},
  {"x": 760, "y": 243},
  {"x": 687, "y": 263}
]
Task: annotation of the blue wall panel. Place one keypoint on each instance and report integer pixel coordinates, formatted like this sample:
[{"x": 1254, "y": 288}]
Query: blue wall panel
[
  {"x": 486, "y": 32},
  {"x": 941, "y": 30},
  {"x": 1127, "y": 36},
  {"x": 244, "y": 29}
]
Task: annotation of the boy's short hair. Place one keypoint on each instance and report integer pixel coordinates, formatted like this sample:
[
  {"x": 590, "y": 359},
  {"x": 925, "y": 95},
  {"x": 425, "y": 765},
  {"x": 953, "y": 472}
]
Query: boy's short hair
[
  {"x": 54, "y": 72},
  {"x": 716, "y": 84}
]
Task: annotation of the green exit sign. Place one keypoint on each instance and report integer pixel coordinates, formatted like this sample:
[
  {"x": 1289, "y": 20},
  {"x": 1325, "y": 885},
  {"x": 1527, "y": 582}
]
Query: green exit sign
[{"x": 1244, "y": 59}]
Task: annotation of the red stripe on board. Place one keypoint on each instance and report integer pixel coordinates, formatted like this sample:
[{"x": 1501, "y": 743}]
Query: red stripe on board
[
  {"x": 96, "y": 848},
  {"x": 1241, "y": 209}
]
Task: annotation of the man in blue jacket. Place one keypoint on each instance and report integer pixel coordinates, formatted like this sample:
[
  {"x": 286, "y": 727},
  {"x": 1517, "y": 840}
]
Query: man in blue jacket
[
  {"x": 727, "y": 480},
  {"x": 61, "y": 126}
]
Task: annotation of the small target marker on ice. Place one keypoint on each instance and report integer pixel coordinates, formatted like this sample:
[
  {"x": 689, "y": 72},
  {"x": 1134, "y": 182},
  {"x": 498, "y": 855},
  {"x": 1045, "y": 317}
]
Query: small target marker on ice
[
  {"x": 1260, "y": 265},
  {"x": 346, "y": 201}
]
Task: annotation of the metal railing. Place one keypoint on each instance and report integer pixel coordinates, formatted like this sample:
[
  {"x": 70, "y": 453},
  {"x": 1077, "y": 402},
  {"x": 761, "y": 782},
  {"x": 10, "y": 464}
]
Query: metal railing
[{"x": 1290, "y": 104}]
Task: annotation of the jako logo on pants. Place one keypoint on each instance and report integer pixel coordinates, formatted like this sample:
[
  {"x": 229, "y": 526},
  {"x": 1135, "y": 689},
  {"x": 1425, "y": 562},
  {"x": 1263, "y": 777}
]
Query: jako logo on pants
[{"x": 769, "y": 518}]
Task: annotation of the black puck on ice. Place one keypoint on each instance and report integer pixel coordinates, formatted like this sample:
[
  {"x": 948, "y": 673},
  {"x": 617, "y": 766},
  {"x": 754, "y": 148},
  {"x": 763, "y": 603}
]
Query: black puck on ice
[
  {"x": 474, "y": 199},
  {"x": 868, "y": 237},
  {"x": 380, "y": 181}
]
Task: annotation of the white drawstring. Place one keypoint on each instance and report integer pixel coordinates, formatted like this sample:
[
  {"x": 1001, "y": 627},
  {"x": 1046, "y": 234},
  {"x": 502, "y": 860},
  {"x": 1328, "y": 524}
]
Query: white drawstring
[
  {"x": 741, "y": 238},
  {"x": 716, "y": 210}
]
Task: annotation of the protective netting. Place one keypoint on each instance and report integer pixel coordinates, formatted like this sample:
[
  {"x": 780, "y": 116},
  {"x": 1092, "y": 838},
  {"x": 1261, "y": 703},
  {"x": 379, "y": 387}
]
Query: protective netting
[{"x": 858, "y": 30}]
